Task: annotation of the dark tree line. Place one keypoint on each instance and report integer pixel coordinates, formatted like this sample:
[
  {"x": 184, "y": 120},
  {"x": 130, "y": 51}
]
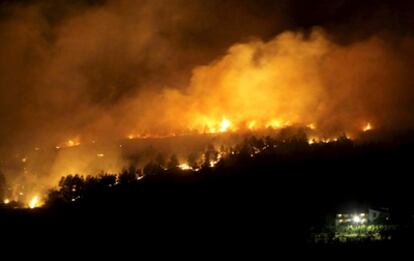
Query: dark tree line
[{"x": 75, "y": 189}]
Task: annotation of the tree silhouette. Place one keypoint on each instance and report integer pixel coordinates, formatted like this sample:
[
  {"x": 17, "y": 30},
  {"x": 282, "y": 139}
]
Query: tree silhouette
[
  {"x": 160, "y": 160},
  {"x": 71, "y": 187},
  {"x": 3, "y": 186},
  {"x": 211, "y": 154},
  {"x": 152, "y": 169},
  {"x": 128, "y": 176},
  {"x": 193, "y": 160},
  {"x": 173, "y": 162}
]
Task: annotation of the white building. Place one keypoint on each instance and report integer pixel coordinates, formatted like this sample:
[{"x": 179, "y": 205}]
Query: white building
[{"x": 368, "y": 216}]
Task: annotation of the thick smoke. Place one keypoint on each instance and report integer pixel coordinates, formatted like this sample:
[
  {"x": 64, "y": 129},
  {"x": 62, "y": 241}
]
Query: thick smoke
[
  {"x": 69, "y": 69},
  {"x": 293, "y": 78},
  {"x": 95, "y": 71},
  {"x": 65, "y": 65}
]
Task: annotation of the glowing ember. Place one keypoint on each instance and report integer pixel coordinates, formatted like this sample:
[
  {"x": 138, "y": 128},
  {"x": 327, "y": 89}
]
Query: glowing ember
[
  {"x": 6, "y": 201},
  {"x": 367, "y": 127},
  {"x": 251, "y": 125},
  {"x": 69, "y": 143},
  {"x": 73, "y": 142}
]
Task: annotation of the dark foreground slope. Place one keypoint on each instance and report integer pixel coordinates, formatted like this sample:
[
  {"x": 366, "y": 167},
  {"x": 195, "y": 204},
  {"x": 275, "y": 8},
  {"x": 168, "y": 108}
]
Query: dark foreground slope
[{"x": 274, "y": 198}]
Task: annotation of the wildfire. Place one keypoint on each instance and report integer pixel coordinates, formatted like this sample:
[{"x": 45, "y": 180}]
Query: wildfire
[
  {"x": 243, "y": 91},
  {"x": 316, "y": 140},
  {"x": 225, "y": 125},
  {"x": 184, "y": 166},
  {"x": 73, "y": 142},
  {"x": 35, "y": 202},
  {"x": 251, "y": 125},
  {"x": 277, "y": 124},
  {"x": 213, "y": 163},
  {"x": 367, "y": 127}
]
